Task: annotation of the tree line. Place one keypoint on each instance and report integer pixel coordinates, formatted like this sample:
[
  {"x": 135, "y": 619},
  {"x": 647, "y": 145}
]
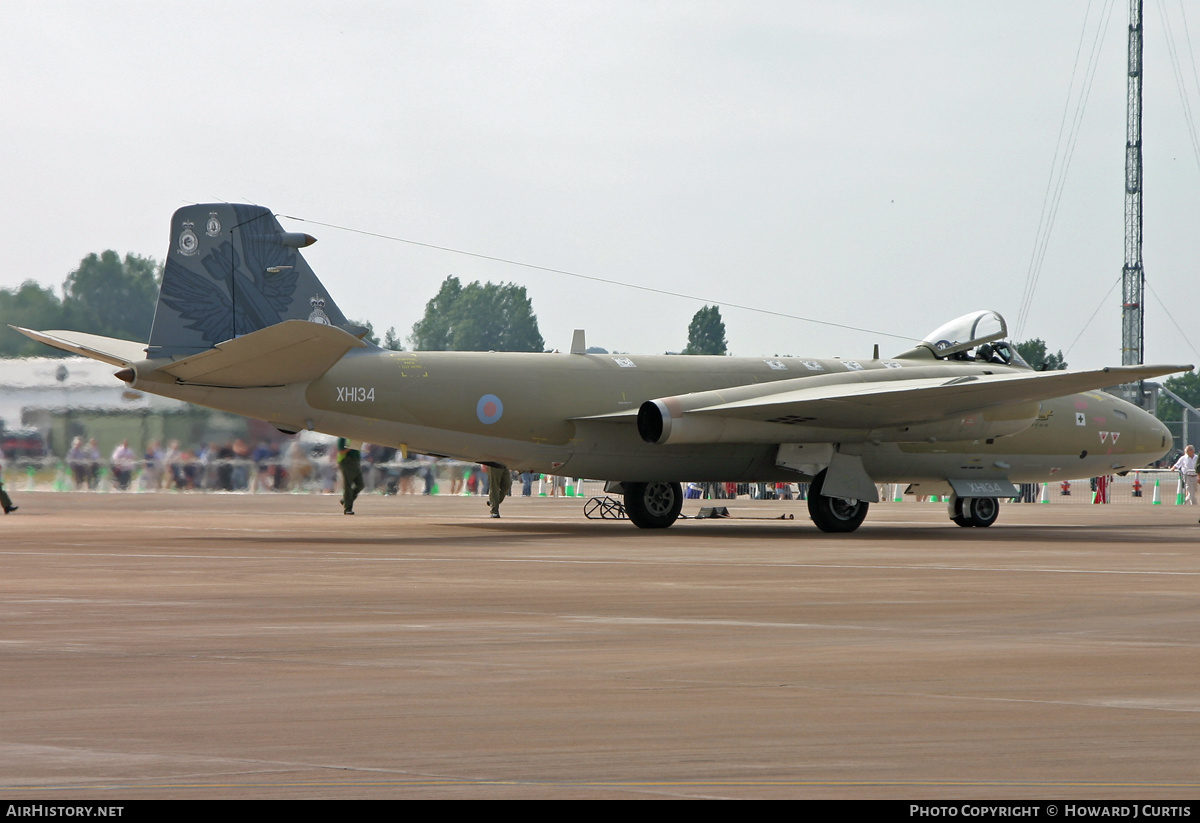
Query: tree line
[{"x": 107, "y": 295}]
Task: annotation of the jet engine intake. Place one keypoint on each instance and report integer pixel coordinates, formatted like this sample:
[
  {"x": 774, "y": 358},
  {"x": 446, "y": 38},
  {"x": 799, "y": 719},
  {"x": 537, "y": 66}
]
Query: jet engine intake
[{"x": 654, "y": 421}]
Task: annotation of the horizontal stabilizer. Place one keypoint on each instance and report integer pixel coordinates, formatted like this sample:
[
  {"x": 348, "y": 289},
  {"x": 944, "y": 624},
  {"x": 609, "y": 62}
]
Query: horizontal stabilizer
[
  {"x": 105, "y": 349},
  {"x": 293, "y": 351}
]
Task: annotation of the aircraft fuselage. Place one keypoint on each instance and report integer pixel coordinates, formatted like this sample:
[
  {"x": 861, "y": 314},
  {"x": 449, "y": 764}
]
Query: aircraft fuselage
[{"x": 575, "y": 414}]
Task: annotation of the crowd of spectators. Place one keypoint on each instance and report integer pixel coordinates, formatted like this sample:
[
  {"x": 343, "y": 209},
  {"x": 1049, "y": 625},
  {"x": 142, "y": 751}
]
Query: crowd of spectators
[
  {"x": 297, "y": 464},
  {"x": 289, "y": 465}
]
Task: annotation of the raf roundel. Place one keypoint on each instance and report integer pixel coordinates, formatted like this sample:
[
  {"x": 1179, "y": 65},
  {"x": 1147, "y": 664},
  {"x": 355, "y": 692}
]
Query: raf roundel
[{"x": 489, "y": 409}]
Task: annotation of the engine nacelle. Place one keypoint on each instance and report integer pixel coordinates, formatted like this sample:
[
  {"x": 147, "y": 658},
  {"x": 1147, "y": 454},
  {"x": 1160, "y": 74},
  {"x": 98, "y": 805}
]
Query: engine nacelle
[
  {"x": 654, "y": 421},
  {"x": 664, "y": 421}
]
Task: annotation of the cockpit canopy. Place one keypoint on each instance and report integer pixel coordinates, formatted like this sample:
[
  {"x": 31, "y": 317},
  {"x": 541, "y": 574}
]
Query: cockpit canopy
[
  {"x": 977, "y": 336},
  {"x": 966, "y": 332}
]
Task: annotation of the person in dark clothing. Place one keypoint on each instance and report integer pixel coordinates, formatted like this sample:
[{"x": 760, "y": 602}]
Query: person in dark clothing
[
  {"x": 5, "y": 501},
  {"x": 352, "y": 480},
  {"x": 499, "y": 487}
]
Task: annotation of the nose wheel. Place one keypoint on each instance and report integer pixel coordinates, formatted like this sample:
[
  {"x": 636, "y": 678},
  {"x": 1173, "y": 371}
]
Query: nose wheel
[{"x": 973, "y": 511}]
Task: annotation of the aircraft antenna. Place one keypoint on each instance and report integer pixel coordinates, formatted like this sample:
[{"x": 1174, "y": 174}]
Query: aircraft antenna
[
  {"x": 1133, "y": 277},
  {"x": 607, "y": 281}
]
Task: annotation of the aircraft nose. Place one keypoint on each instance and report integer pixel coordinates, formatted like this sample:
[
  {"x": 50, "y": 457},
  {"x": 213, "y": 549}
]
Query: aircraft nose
[
  {"x": 1151, "y": 435},
  {"x": 1167, "y": 437}
]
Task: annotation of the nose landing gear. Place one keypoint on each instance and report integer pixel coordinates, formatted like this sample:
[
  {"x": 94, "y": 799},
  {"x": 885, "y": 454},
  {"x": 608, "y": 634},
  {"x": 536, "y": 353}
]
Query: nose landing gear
[{"x": 973, "y": 511}]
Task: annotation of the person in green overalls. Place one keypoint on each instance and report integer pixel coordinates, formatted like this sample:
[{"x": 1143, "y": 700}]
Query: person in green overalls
[
  {"x": 352, "y": 479},
  {"x": 5, "y": 500},
  {"x": 499, "y": 487}
]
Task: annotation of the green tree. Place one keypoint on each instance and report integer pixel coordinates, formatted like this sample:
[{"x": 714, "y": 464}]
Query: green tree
[
  {"x": 33, "y": 307},
  {"x": 706, "y": 332},
  {"x": 1034, "y": 353},
  {"x": 478, "y": 317},
  {"x": 370, "y": 336},
  {"x": 113, "y": 297},
  {"x": 1186, "y": 386},
  {"x": 391, "y": 341},
  {"x": 433, "y": 331}
]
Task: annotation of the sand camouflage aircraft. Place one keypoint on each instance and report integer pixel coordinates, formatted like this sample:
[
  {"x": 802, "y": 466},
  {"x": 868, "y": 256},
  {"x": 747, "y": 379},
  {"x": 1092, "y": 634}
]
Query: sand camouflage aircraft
[{"x": 243, "y": 325}]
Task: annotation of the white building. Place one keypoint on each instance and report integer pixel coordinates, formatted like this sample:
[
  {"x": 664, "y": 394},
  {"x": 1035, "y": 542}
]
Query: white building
[{"x": 64, "y": 397}]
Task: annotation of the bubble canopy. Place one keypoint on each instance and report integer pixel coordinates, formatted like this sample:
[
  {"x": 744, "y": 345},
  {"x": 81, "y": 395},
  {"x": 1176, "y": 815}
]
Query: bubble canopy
[{"x": 966, "y": 332}]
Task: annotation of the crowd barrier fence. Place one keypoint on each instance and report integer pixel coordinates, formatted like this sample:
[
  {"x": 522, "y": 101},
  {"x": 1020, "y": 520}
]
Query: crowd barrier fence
[{"x": 448, "y": 477}]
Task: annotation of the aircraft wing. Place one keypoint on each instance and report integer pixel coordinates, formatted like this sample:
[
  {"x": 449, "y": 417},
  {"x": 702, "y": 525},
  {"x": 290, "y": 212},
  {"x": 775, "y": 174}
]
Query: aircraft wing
[
  {"x": 902, "y": 402},
  {"x": 895, "y": 407},
  {"x": 105, "y": 349}
]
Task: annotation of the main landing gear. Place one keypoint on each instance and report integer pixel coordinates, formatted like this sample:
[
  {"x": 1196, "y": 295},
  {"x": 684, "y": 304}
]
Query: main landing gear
[
  {"x": 973, "y": 511},
  {"x": 656, "y": 505},
  {"x": 653, "y": 505},
  {"x": 834, "y": 514}
]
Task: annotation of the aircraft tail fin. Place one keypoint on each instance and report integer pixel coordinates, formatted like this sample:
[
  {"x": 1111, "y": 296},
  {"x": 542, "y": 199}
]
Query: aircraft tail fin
[{"x": 232, "y": 270}]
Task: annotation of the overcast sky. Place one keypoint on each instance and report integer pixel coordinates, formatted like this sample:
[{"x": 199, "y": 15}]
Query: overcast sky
[{"x": 875, "y": 164}]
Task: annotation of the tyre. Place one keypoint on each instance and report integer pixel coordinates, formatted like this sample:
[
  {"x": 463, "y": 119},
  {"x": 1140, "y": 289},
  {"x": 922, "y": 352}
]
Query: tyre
[
  {"x": 955, "y": 507},
  {"x": 974, "y": 511},
  {"x": 983, "y": 511},
  {"x": 834, "y": 514},
  {"x": 653, "y": 505}
]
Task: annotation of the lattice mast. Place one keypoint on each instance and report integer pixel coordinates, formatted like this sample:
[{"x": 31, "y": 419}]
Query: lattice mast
[{"x": 1133, "y": 278}]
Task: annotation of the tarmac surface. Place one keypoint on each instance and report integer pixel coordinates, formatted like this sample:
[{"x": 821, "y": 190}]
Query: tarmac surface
[{"x": 266, "y": 646}]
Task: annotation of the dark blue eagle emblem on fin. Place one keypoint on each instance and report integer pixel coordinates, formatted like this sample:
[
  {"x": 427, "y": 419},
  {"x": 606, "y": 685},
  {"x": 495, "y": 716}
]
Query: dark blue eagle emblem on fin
[{"x": 199, "y": 300}]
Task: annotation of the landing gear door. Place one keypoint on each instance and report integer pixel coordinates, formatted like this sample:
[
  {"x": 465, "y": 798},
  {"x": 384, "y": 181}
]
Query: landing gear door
[
  {"x": 805, "y": 458},
  {"x": 847, "y": 478},
  {"x": 983, "y": 488}
]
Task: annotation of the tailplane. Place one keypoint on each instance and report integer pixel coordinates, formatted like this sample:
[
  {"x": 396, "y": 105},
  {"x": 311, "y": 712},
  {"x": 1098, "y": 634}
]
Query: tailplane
[
  {"x": 232, "y": 270},
  {"x": 105, "y": 349}
]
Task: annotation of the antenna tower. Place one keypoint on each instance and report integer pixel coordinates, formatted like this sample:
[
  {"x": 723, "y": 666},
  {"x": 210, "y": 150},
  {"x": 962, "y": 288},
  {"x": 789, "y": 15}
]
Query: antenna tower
[{"x": 1133, "y": 278}]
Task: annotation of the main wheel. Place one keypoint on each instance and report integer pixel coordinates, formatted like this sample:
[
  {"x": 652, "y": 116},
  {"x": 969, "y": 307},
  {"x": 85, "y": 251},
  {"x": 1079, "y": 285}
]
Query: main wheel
[
  {"x": 983, "y": 511},
  {"x": 653, "y": 505},
  {"x": 834, "y": 514}
]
